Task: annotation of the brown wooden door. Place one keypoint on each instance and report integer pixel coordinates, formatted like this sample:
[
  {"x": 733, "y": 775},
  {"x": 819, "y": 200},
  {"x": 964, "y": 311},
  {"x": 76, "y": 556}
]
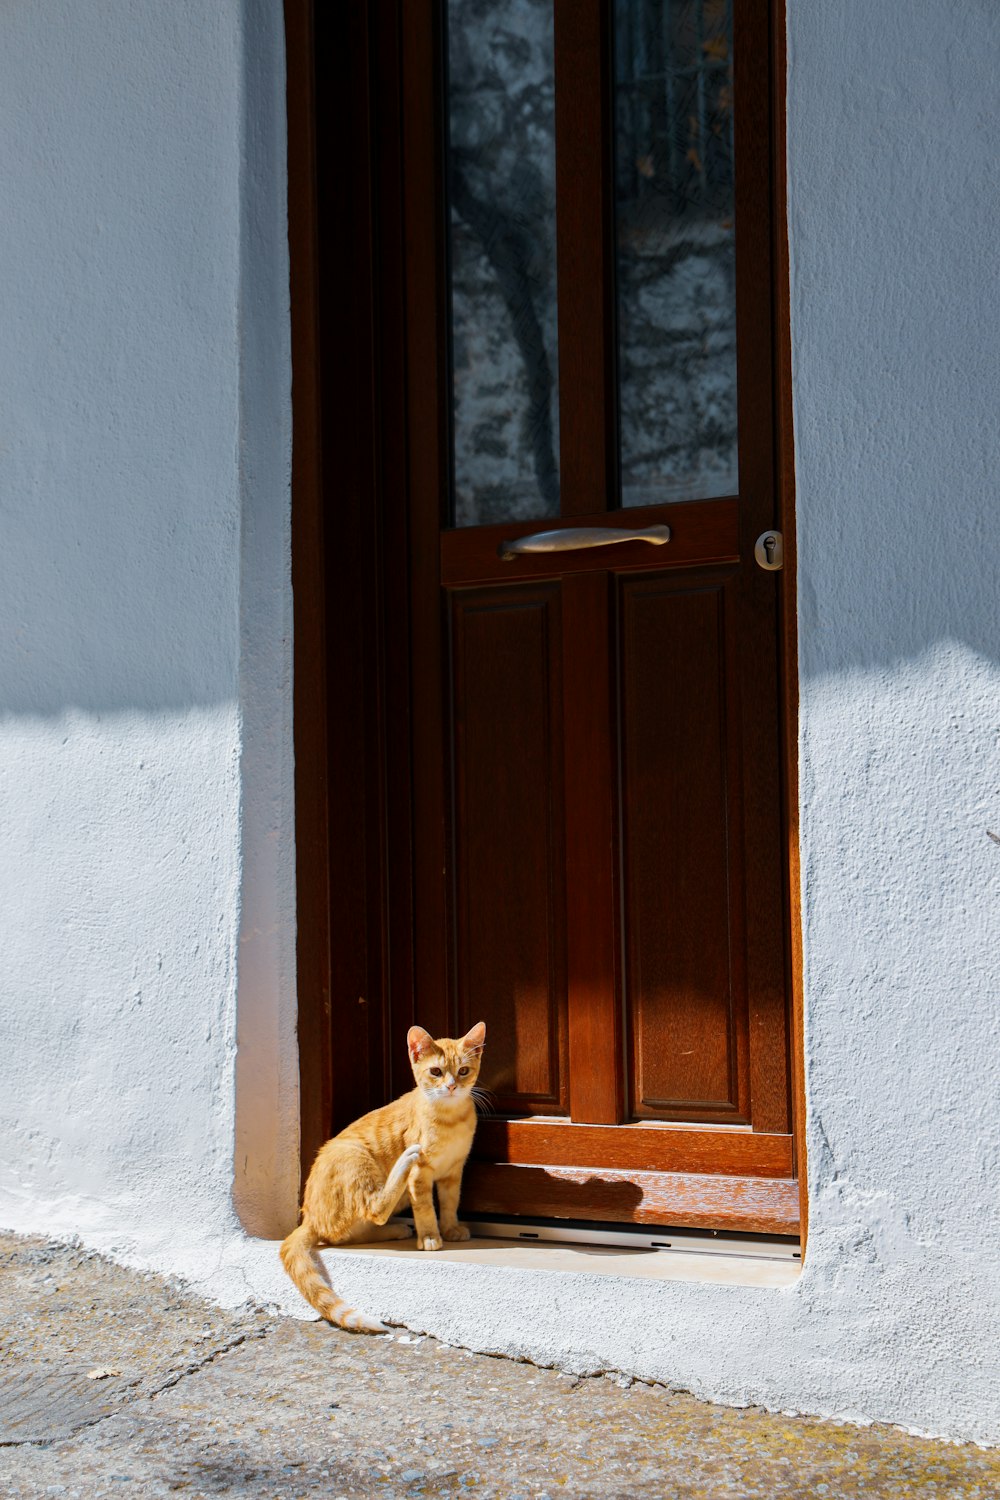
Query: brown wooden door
[{"x": 582, "y": 790}]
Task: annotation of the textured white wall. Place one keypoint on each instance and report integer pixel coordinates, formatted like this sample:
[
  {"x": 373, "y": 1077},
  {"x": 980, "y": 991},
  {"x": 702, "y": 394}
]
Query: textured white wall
[
  {"x": 144, "y": 617},
  {"x": 144, "y": 606},
  {"x": 894, "y": 149}
]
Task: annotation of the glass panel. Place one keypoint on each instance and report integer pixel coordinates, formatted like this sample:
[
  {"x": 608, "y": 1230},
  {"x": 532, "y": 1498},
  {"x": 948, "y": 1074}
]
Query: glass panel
[
  {"x": 501, "y": 191},
  {"x": 676, "y": 250}
]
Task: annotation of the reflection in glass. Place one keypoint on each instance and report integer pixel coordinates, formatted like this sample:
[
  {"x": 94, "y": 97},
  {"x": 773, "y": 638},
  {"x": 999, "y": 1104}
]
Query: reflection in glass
[
  {"x": 501, "y": 192},
  {"x": 676, "y": 260}
]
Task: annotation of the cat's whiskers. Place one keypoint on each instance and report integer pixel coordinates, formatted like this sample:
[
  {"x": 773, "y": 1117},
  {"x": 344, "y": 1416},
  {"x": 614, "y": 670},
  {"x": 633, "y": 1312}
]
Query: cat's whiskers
[{"x": 485, "y": 1101}]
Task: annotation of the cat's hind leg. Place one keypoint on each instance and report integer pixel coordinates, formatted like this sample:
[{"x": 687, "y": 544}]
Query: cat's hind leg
[{"x": 367, "y": 1233}]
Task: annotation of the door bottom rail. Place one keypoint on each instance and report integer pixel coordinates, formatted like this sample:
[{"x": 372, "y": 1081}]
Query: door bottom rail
[{"x": 712, "y": 1201}]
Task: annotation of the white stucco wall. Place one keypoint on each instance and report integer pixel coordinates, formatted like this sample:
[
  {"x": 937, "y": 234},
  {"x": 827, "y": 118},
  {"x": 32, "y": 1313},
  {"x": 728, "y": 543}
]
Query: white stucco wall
[
  {"x": 145, "y": 892},
  {"x": 145, "y": 760}
]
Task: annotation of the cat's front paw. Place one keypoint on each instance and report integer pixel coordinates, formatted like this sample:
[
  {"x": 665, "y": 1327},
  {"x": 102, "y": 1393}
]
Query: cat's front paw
[
  {"x": 457, "y": 1232},
  {"x": 430, "y": 1242}
]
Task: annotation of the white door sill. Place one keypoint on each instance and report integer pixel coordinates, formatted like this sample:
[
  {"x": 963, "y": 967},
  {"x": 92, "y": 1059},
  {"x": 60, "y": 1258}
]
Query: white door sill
[{"x": 738, "y": 1262}]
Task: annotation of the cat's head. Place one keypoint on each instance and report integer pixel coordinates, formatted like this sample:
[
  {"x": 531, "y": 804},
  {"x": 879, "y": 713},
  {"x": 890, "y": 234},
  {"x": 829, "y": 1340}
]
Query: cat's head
[{"x": 443, "y": 1068}]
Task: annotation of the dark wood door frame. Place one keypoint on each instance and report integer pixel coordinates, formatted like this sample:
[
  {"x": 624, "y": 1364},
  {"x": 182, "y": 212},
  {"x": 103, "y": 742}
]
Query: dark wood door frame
[{"x": 348, "y": 285}]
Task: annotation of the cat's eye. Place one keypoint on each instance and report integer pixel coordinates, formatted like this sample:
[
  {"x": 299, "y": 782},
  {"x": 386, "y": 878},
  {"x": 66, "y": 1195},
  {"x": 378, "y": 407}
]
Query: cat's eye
[
  {"x": 434, "y": 1072},
  {"x": 462, "y": 1072}
]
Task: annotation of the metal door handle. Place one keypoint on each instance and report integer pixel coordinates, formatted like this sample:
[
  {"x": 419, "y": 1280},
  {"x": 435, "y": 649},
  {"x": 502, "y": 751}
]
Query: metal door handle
[{"x": 575, "y": 537}]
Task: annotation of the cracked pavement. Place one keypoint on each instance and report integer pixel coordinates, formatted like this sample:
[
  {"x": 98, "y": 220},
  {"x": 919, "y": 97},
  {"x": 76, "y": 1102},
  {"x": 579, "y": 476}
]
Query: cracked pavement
[{"x": 114, "y": 1382}]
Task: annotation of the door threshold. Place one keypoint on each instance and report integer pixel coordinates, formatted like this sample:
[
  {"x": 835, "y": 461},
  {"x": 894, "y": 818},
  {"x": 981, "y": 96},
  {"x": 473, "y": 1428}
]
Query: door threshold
[
  {"x": 581, "y": 1249},
  {"x": 640, "y": 1237}
]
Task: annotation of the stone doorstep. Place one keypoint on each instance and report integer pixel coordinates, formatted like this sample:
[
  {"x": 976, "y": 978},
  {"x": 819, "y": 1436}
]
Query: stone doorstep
[{"x": 735, "y": 1266}]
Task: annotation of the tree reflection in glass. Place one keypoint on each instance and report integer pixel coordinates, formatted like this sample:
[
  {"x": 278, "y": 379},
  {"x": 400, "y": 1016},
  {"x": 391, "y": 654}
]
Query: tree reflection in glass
[
  {"x": 501, "y": 190},
  {"x": 675, "y": 260},
  {"x": 676, "y": 249}
]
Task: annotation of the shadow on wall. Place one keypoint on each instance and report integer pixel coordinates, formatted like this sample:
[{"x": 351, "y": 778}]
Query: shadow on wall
[
  {"x": 119, "y": 577},
  {"x": 896, "y": 361}
]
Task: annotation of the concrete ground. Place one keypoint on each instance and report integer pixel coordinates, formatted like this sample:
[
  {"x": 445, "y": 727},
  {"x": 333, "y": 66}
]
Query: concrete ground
[{"x": 114, "y": 1383}]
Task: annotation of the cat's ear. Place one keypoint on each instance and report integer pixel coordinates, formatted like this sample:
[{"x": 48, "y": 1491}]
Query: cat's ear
[
  {"x": 474, "y": 1041},
  {"x": 420, "y": 1042}
]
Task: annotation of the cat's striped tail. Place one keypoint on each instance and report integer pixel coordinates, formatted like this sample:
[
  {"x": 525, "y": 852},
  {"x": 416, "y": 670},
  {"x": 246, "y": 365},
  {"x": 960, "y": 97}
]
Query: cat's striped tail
[{"x": 299, "y": 1261}]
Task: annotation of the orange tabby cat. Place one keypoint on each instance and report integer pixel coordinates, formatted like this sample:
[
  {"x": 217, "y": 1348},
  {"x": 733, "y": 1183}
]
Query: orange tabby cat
[{"x": 361, "y": 1177}]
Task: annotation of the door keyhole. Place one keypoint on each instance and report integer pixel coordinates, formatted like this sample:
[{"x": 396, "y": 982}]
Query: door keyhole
[{"x": 768, "y": 551}]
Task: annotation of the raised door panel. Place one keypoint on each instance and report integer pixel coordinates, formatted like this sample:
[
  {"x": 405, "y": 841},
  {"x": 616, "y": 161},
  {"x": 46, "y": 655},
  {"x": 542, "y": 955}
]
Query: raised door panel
[
  {"x": 683, "y": 973},
  {"x": 507, "y": 830}
]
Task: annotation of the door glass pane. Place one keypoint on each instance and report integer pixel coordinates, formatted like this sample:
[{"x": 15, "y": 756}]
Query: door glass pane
[
  {"x": 676, "y": 249},
  {"x": 502, "y": 293}
]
